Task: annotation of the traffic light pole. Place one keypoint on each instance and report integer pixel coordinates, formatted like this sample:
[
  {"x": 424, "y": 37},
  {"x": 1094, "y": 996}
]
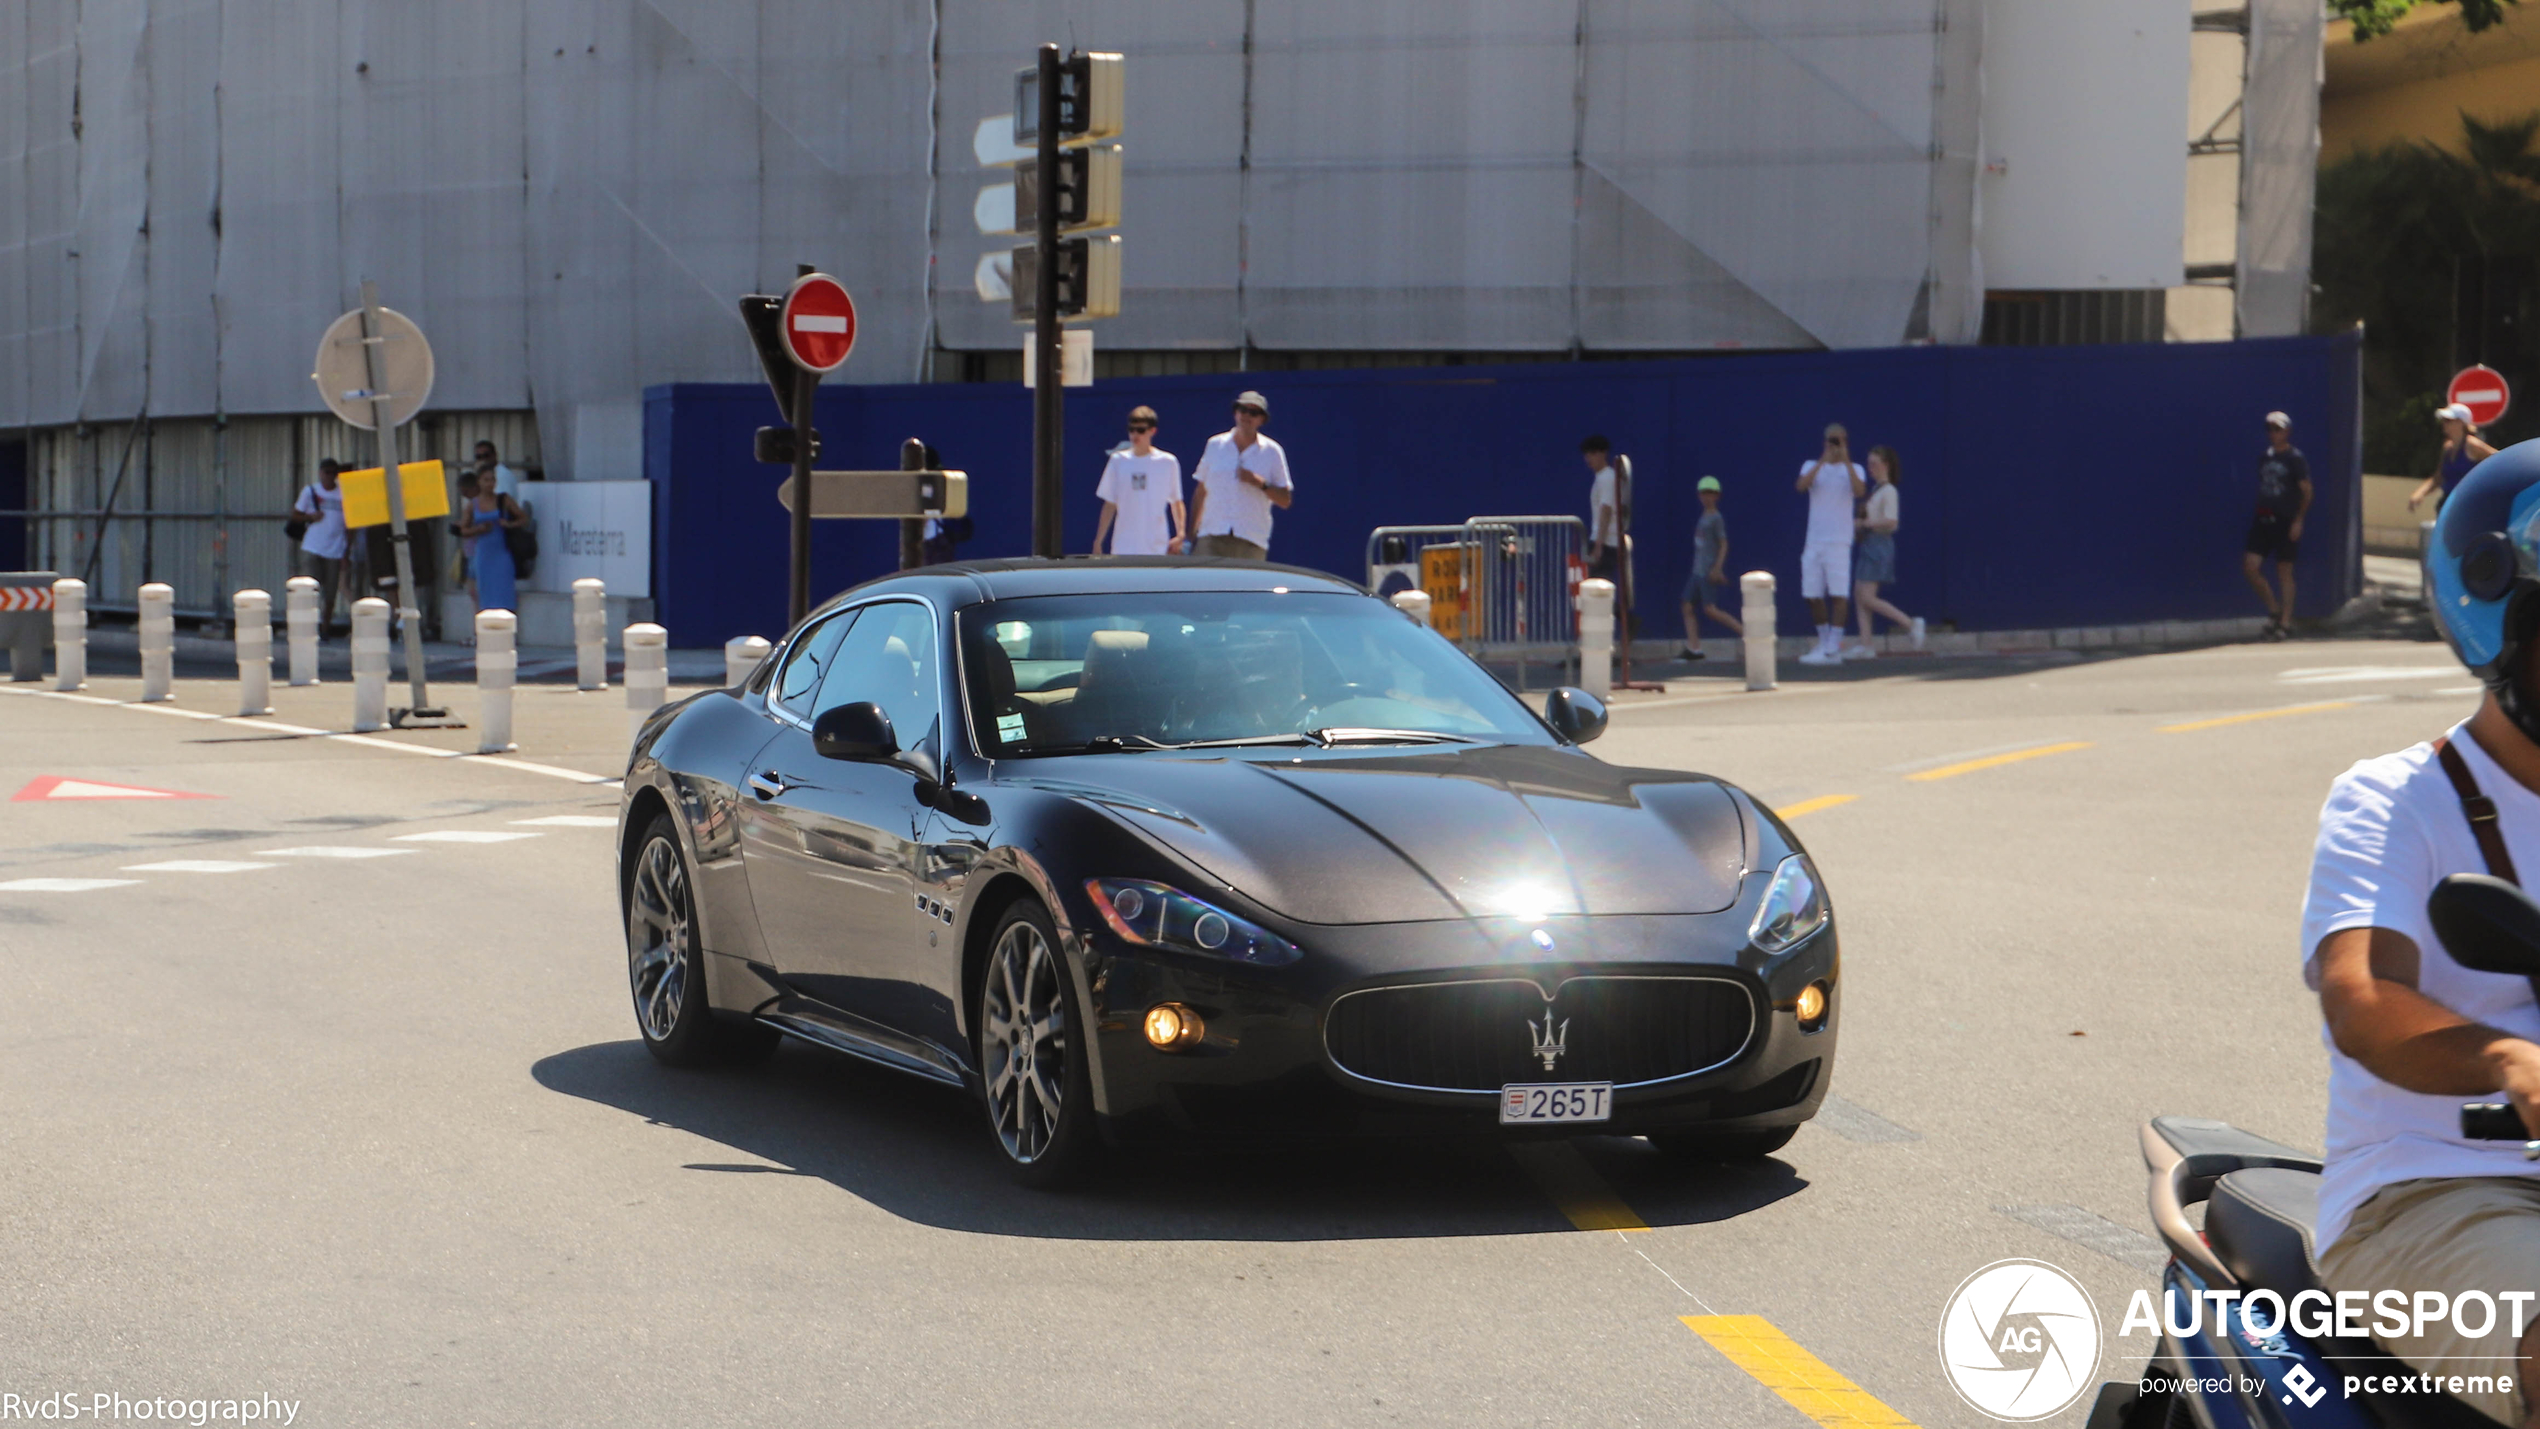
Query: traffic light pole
[{"x": 1048, "y": 416}]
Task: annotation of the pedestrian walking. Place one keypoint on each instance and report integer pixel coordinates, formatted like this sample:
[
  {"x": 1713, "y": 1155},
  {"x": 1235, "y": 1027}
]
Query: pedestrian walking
[
  {"x": 1710, "y": 573},
  {"x": 2462, "y": 449},
  {"x": 1141, "y": 493},
  {"x": 1241, "y": 475},
  {"x": 493, "y": 580},
  {"x": 2284, "y": 498},
  {"x": 1831, "y": 483},
  {"x": 1874, "y": 555},
  {"x": 1605, "y": 510},
  {"x": 319, "y": 512}
]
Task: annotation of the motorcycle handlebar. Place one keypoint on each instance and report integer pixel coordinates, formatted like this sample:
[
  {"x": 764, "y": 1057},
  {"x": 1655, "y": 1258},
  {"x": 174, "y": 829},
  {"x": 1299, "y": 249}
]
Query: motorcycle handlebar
[{"x": 2492, "y": 1121}]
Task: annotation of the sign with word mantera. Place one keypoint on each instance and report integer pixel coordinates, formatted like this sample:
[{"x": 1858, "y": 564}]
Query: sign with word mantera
[{"x": 592, "y": 528}]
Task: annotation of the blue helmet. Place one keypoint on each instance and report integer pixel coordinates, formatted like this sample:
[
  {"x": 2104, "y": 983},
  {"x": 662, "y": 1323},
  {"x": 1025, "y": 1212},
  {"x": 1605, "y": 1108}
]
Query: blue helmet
[{"x": 2482, "y": 573}]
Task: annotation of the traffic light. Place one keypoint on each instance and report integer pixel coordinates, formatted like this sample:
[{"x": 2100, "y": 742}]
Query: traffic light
[
  {"x": 1088, "y": 278},
  {"x": 1088, "y": 191},
  {"x": 1091, "y": 92}
]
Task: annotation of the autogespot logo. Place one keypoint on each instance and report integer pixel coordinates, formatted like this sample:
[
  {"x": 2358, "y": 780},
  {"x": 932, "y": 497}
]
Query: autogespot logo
[{"x": 2020, "y": 1340}]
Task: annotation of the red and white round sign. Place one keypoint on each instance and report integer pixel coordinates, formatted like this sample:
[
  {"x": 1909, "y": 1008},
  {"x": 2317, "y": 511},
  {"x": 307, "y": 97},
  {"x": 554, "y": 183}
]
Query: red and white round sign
[
  {"x": 2481, "y": 389},
  {"x": 818, "y": 321}
]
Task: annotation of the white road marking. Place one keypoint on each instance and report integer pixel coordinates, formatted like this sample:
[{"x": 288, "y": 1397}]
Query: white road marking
[
  {"x": 571, "y": 821},
  {"x": 463, "y": 836},
  {"x": 63, "y": 885},
  {"x": 197, "y": 865},
  {"x": 2347, "y": 674},
  {"x": 332, "y": 851}
]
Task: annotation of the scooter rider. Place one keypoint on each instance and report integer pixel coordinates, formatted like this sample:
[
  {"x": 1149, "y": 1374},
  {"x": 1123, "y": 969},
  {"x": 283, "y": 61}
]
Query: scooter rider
[{"x": 2406, "y": 1204}]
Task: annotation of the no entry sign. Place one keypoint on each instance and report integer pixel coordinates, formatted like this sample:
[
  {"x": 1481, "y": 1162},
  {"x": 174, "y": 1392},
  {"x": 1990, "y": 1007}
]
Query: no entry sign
[
  {"x": 2481, "y": 389},
  {"x": 818, "y": 321}
]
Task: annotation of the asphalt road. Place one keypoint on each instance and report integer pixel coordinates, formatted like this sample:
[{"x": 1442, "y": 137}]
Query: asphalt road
[{"x": 370, "y": 1130}]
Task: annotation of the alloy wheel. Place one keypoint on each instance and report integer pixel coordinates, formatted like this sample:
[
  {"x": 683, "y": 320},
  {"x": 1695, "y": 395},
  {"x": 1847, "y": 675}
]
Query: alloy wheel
[
  {"x": 1023, "y": 1041},
  {"x": 657, "y": 929}
]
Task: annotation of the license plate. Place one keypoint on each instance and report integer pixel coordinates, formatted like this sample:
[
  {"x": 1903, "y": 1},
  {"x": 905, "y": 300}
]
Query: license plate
[{"x": 1529, "y": 1103}]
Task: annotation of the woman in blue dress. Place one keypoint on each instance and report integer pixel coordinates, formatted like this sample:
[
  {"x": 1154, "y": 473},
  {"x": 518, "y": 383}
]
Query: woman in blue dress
[
  {"x": 489, "y": 514},
  {"x": 2462, "y": 450}
]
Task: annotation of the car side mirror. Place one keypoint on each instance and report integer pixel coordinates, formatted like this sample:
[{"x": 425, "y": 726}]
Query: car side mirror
[
  {"x": 854, "y": 731},
  {"x": 2486, "y": 924},
  {"x": 1574, "y": 714}
]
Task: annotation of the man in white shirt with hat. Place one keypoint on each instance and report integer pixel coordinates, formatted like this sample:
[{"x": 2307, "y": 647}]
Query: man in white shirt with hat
[{"x": 1240, "y": 477}]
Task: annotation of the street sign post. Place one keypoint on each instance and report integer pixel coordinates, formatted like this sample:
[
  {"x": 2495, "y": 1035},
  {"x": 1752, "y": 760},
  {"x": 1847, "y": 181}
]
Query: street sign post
[
  {"x": 800, "y": 338},
  {"x": 2482, "y": 389},
  {"x": 374, "y": 370},
  {"x": 882, "y": 495}
]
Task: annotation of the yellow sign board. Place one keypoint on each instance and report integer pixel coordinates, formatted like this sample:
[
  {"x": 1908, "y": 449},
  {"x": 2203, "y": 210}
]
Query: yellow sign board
[
  {"x": 1442, "y": 574},
  {"x": 366, "y": 493}
]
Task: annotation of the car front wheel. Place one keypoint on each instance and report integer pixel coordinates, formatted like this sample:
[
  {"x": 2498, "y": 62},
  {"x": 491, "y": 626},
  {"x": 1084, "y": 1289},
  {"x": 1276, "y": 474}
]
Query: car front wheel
[
  {"x": 665, "y": 962},
  {"x": 1032, "y": 1052}
]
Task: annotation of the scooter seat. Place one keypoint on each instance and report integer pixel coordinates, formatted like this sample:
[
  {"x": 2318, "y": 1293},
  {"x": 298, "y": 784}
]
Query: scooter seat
[{"x": 2259, "y": 1223}]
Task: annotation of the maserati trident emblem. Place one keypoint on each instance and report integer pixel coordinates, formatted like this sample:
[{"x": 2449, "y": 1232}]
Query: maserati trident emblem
[{"x": 1550, "y": 1042}]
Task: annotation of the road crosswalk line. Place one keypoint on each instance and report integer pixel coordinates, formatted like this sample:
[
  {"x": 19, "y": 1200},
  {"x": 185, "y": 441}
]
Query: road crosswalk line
[
  {"x": 463, "y": 836},
  {"x": 332, "y": 851},
  {"x": 571, "y": 821},
  {"x": 63, "y": 885},
  {"x": 197, "y": 865}
]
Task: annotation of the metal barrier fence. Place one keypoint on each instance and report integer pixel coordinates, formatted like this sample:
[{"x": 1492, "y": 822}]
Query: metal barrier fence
[{"x": 1502, "y": 587}]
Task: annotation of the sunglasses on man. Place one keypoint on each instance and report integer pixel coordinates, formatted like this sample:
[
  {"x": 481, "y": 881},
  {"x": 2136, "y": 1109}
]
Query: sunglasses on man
[{"x": 1142, "y": 426}]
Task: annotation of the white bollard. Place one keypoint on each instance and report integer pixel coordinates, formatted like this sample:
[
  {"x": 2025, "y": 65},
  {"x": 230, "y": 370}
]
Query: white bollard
[
  {"x": 647, "y": 673},
  {"x": 370, "y": 664},
  {"x": 70, "y": 633},
  {"x": 300, "y": 620},
  {"x": 1763, "y": 667},
  {"x": 591, "y": 633},
  {"x": 158, "y": 642},
  {"x": 1596, "y": 637},
  {"x": 741, "y": 655},
  {"x": 251, "y": 622},
  {"x": 1413, "y": 603},
  {"x": 497, "y": 662}
]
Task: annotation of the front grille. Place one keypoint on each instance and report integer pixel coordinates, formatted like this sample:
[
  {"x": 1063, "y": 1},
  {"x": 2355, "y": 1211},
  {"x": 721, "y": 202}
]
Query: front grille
[{"x": 1480, "y": 1036}]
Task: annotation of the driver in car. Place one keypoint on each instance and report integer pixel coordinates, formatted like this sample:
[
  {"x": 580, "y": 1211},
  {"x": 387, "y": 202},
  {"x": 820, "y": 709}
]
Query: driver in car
[{"x": 2406, "y": 1203}]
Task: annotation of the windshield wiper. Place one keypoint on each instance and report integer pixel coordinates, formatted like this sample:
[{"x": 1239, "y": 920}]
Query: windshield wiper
[{"x": 1352, "y": 735}]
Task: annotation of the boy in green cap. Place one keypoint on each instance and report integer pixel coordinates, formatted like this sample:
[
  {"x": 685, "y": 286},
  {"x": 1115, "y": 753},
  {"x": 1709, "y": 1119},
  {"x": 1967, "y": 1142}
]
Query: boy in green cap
[{"x": 1710, "y": 573}]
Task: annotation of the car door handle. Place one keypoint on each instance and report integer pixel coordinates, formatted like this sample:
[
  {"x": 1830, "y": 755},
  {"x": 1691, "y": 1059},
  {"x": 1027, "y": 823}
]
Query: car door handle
[{"x": 768, "y": 785}]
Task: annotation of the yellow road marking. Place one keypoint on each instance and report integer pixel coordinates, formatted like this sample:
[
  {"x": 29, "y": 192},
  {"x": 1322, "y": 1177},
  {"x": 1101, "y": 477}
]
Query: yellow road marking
[
  {"x": 1950, "y": 771},
  {"x": 1810, "y": 806},
  {"x": 1778, "y": 1363},
  {"x": 2193, "y": 725},
  {"x": 1574, "y": 1186}
]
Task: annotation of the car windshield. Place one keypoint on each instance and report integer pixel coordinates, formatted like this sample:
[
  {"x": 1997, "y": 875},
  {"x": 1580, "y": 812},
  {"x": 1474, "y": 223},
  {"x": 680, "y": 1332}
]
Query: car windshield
[{"x": 1099, "y": 673}]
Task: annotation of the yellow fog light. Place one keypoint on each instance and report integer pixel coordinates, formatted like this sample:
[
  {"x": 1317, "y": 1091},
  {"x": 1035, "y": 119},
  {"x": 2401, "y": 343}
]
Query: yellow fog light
[
  {"x": 1172, "y": 1027},
  {"x": 1811, "y": 1007}
]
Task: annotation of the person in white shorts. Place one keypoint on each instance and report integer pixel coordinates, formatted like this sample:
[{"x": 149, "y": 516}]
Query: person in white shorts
[
  {"x": 1831, "y": 483},
  {"x": 1141, "y": 494}
]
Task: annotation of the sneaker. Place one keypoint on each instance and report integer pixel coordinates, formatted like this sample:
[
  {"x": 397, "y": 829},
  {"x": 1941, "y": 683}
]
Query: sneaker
[
  {"x": 1918, "y": 632},
  {"x": 1820, "y": 656},
  {"x": 1689, "y": 653},
  {"x": 1859, "y": 652}
]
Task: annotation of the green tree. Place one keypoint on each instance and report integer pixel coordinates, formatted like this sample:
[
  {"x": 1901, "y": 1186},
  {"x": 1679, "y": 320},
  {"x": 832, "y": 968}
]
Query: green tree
[
  {"x": 2375, "y": 17},
  {"x": 2391, "y": 228}
]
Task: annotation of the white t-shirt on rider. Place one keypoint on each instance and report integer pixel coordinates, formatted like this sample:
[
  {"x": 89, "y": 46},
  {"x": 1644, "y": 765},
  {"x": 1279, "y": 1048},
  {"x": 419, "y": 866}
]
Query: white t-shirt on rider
[
  {"x": 1144, "y": 489},
  {"x": 2392, "y": 828}
]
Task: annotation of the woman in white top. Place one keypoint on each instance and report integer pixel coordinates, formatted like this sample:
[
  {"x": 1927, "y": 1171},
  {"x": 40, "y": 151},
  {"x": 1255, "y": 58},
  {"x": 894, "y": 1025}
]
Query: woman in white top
[{"x": 1874, "y": 554}]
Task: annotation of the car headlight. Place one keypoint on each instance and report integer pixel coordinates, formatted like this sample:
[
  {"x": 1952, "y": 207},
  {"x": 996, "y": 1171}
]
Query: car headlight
[
  {"x": 1155, "y": 915},
  {"x": 1793, "y": 908}
]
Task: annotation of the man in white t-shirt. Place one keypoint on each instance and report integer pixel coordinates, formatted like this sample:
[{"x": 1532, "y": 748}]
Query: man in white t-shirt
[
  {"x": 2406, "y": 1203},
  {"x": 323, "y": 544},
  {"x": 1141, "y": 495},
  {"x": 1240, "y": 477},
  {"x": 1831, "y": 483}
]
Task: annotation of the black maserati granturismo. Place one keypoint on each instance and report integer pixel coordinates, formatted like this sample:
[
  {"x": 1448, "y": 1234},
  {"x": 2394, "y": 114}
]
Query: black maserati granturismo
[{"x": 1159, "y": 850}]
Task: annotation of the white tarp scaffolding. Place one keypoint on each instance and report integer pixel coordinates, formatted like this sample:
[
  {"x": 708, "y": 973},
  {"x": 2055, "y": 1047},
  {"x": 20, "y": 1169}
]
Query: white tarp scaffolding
[{"x": 569, "y": 195}]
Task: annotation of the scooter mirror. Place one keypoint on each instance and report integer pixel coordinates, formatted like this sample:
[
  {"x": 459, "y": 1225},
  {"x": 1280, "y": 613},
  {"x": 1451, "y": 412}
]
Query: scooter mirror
[{"x": 2486, "y": 924}]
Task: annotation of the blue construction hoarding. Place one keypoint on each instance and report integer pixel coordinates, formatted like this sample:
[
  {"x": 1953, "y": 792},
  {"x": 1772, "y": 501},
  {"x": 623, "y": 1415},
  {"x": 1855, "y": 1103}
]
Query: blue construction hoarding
[{"x": 2041, "y": 486}]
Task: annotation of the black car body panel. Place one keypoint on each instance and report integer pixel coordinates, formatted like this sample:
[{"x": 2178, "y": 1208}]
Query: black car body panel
[{"x": 1451, "y": 881}]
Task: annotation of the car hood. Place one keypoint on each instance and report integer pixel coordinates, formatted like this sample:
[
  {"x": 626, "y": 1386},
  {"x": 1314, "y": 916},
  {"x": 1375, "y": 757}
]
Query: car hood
[{"x": 1431, "y": 833}]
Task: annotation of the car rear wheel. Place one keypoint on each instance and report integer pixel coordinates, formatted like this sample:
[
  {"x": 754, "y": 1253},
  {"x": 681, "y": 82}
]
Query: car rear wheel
[
  {"x": 665, "y": 963},
  {"x": 1032, "y": 1052},
  {"x": 1728, "y": 1146}
]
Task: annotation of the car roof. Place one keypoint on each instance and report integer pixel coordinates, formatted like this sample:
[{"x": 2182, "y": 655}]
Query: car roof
[{"x": 1096, "y": 575}]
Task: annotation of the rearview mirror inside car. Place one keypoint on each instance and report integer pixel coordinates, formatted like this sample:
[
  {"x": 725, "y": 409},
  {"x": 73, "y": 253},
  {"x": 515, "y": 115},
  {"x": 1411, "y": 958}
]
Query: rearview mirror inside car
[
  {"x": 854, "y": 731},
  {"x": 2486, "y": 924},
  {"x": 1574, "y": 714}
]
